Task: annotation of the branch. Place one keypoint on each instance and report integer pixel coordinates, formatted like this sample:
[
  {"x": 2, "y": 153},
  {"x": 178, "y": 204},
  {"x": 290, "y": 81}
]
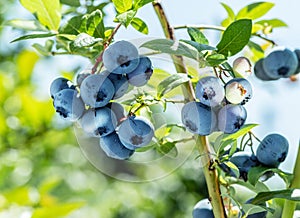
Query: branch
[
  {"x": 201, "y": 141},
  {"x": 220, "y": 28},
  {"x": 290, "y": 206}
]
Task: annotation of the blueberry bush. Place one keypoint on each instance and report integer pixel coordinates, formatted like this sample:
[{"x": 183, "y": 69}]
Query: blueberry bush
[{"x": 139, "y": 107}]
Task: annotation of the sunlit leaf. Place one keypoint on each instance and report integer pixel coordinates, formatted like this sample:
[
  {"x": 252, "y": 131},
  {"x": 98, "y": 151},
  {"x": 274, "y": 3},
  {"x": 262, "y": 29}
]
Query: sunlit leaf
[
  {"x": 25, "y": 63},
  {"x": 59, "y": 210},
  {"x": 140, "y": 3},
  {"x": 48, "y": 12},
  {"x": 126, "y": 17},
  {"x": 254, "y": 10},
  {"x": 122, "y": 5},
  {"x": 139, "y": 25}
]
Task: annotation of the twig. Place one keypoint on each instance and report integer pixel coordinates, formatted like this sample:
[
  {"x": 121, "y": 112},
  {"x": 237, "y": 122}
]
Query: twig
[
  {"x": 202, "y": 143},
  {"x": 106, "y": 44}
]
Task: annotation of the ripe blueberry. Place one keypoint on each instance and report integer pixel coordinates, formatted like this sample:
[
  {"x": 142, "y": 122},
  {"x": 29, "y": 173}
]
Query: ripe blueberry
[
  {"x": 203, "y": 209},
  {"x": 280, "y": 63},
  {"x": 113, "y": 147},
  {"x": 209, "y": 91},
  {"x": 99, "y": 122},
  {"x": 260, "y": 72},
  {"x": 142, "y": 73},
  {"x": 59, "y": 84},
  {"x": 231, "y": 118},
  {"x": 119, "y": 81},
  {"x": 244, "y": 162},
  {"x": 198, "y": 118},
  {"x": 135, "y": 132},
  {"x": 97, "y": 90},
  {"x": 121, "y": 57},
  {"x": 68, "y": 105},
  {"x": 272, "y": 150}
]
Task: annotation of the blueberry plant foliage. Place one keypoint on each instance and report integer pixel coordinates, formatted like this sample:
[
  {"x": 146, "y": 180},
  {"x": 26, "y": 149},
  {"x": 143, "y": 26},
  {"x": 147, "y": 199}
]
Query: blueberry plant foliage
[{"x": 212, "y": 104}]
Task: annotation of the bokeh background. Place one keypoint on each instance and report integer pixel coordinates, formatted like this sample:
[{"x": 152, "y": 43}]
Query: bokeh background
[{"x": 43, "y": 170}]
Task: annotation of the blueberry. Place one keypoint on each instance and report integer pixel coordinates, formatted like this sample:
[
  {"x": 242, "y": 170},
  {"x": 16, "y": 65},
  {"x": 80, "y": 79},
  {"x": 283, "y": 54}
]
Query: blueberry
[
  {"x": 121, "y": 57},
  {"x": 118, "y": 110},
  {"x": 59, "y": 84},
  {"x": 244, "y": 162},
  {"x": 135, "y": 132},
  {"x": 198, "y": 118},
  {"x": 242, "y": 67},
  {"x": 113, "y": 147},
  {"x": 99, "y": 122},
  {"x": 142, "y": 73},
  {"x": 210, "y": 91},
  {"x": 260, "y": 72},
  {"x": 203, "y": 209},
  {"x": 280, "y": 63},
  {"x": 97, "y": 90},
  {"x": 68, "y": 105},
  {"x": 272, "y": 150},
  {"x": 231, "y": 118},
  {"x": 81, "y": 76},
  {"x": 238, "y": 91},
  {"x": 297, "y": 52},
  {"x": 119, "y": 81}
]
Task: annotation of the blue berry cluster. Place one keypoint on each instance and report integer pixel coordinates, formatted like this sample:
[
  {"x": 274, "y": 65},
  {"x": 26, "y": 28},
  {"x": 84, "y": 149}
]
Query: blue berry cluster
[
  {"x": 278, "y": 64},
  {"x": 271, "y": 152},
  {"x": 92, "y": 101},
  {"x": 220, "y": 108}
]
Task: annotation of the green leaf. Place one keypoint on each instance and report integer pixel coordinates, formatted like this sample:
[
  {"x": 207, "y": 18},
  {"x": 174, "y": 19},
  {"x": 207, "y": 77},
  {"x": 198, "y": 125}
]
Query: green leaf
[
  {"x": 48, "y": 12},
  {"x": 255, "y": 174},
  {"x": 197, "y": 36},
  {"x": 139, "y": 25},
  {"x": 29, "y": 25},
  {"x": 122, "y": 5},
  {"x": 215, "y": 59},
  {"x": 290, "y": 194},
  {"x": 60, "y": 210},
  {"x": 170, "y": 83},
  {"x": 85, "y": 40},
  {"x": 235, "y": 37},
  {"x": 74, "y": 3},
  {"x": 34, "y": 36},
  {"x": 272, "y": 22},
  {"x": 140, "y": 3},
  {"x": 198, "y": 46},
  {"x": 168, "y": 148},
  {"x": 94, "y": 24},
  {"x": 230, "y": 13},
  {"x": 46, "y": 49},
  {"x": 245, "y": 129},
  {"x": 254, "y": 10},
  {"x": 157, "y": 76},
  {"x": 73, "y": 26},
  {"x": 126, "y": 17},
  {"x": 171, "y": 47}
]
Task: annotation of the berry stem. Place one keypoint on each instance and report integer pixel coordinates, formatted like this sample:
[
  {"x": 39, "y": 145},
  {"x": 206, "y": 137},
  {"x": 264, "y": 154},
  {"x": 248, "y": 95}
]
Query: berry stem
[
  {"x": 290, "y": 206},
  {"x": 202, "y": 144},
  {"x": 108, "y": 41}
]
